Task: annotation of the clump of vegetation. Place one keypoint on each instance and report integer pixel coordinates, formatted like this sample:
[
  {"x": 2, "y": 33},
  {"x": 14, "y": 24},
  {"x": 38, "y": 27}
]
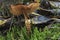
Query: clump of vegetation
[{"x": 18, "y": 33}]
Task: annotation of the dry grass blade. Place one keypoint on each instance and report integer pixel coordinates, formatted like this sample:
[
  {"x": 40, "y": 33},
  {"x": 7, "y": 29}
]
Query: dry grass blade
[{"x": 3, "y": 21}]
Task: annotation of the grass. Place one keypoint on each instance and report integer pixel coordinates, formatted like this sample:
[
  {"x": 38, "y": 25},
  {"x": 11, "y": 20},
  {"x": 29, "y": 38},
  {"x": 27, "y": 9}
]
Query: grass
[{"x": 17, "y": 33}]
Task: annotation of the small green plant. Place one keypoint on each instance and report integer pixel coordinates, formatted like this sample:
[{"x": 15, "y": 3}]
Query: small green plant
[{"x": 20, "y": 33}]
